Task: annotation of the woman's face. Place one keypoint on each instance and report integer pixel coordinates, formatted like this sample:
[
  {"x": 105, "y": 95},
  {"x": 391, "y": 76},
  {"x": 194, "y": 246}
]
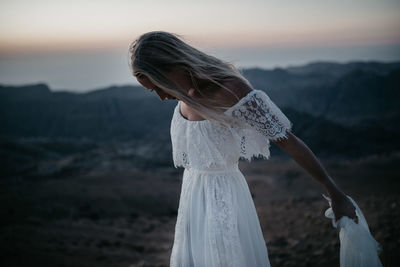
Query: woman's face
[
  {"x": 143, "y": 80},
  {"x": 183, "y": 81}
]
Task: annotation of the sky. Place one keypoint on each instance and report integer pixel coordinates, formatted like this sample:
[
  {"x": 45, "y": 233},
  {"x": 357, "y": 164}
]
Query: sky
[{"x": 261, "y": 33}]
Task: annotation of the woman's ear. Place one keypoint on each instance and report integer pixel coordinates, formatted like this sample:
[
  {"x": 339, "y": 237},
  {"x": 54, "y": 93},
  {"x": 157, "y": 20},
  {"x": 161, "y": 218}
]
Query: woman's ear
[{"x": 192, "y": 92}]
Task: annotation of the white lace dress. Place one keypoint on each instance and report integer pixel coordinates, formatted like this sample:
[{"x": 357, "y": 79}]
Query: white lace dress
[{"x": 217, "y": 223}]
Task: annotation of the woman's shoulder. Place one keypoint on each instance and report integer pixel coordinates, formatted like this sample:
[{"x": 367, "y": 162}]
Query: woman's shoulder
[{"x": 238, "y": 90}]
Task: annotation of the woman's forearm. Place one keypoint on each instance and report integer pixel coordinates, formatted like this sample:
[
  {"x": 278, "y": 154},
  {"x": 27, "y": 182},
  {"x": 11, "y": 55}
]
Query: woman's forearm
[{"x": 302, "y": 154}]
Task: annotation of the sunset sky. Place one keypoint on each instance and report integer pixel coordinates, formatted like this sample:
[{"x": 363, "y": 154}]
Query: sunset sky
[{"x": 45, "y": 26}]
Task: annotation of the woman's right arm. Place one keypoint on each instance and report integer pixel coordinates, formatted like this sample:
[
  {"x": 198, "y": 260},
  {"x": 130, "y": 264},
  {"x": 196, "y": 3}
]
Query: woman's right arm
[{"x": 303, "y": 155}]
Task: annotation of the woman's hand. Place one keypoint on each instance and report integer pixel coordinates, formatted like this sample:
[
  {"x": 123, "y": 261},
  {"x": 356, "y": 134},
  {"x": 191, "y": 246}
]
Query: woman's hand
[{"x": 342, "y": 206}]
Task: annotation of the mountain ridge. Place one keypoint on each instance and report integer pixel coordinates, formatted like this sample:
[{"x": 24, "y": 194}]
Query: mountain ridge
[{"x": 360, "y": 103}]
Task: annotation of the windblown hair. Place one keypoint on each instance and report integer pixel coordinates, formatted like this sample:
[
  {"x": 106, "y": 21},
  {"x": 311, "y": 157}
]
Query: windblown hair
[{"x": 157, "y": 53}]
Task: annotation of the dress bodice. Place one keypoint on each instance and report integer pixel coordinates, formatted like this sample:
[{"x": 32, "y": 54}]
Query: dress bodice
[{"x": 211, "y": 145}]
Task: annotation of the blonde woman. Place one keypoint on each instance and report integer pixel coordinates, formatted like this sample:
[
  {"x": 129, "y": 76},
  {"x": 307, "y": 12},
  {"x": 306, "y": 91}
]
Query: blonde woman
[{"x": 219, "y": 118}]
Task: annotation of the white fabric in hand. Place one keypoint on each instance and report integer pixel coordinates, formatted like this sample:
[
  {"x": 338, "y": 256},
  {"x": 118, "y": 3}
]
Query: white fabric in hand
[{"x": 357, "y": 246}]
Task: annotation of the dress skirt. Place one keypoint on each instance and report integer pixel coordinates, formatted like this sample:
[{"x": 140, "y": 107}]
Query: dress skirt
[{"x": 217, "y": 223}]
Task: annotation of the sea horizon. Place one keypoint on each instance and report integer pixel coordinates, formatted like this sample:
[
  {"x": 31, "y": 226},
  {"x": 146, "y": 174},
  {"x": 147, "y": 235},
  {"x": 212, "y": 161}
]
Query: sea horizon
[{"x": 85, "y": 71}]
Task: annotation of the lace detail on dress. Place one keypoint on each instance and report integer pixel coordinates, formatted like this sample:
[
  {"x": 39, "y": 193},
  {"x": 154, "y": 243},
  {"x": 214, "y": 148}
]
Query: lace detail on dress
[
  {"x": 212, "y": 145},
  {"x": 181, "y": 219},
  {"x": 224, "y": 217},
  {"x": 184, "y": 159},
  {"x": 243, "y": 145},
  {"x": 257, "y": 111},
  {"x": 202, "y": 144}
]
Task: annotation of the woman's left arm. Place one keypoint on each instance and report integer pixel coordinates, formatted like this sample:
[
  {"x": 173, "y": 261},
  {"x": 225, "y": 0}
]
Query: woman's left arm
[{"x": 302, "y": 154}]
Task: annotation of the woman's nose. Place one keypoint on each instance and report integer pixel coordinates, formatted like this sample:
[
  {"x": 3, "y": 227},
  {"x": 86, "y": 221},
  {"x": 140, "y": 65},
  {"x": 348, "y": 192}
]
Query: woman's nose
[{"x": 164, "y": 96}]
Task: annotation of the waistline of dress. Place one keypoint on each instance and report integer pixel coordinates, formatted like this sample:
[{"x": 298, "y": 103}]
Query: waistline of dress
[{"x": 228, "y": 169}]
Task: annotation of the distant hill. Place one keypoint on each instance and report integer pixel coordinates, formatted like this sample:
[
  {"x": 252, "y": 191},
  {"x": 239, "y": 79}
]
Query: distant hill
[
  {"x": 346, "y": 93},
  {"x": 345, "y": 110},
  {"x": 115, "y": 113}
]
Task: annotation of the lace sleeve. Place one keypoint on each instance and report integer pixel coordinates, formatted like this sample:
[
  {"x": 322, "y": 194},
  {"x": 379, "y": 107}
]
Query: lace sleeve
[{"x": 257, "y": 111}]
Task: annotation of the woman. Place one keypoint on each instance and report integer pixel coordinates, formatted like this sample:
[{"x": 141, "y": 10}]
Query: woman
[{"x": 218, "y": 119}]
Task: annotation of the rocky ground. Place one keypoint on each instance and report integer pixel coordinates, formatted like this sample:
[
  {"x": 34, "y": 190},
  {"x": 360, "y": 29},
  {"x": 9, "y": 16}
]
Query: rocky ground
[{"x": 127, "y": 219}]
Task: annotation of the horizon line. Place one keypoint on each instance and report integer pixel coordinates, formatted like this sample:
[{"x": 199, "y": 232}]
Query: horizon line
[{"x": 75, "y": 91}]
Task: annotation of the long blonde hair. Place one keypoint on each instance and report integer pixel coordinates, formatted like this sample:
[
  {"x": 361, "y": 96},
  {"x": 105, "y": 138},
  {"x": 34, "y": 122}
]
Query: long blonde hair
[{"x": 156, "y": 53}]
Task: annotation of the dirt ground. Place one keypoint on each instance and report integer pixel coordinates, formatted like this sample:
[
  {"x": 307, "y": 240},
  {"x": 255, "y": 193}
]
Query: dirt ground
[{"x": 127, "y": 219}]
